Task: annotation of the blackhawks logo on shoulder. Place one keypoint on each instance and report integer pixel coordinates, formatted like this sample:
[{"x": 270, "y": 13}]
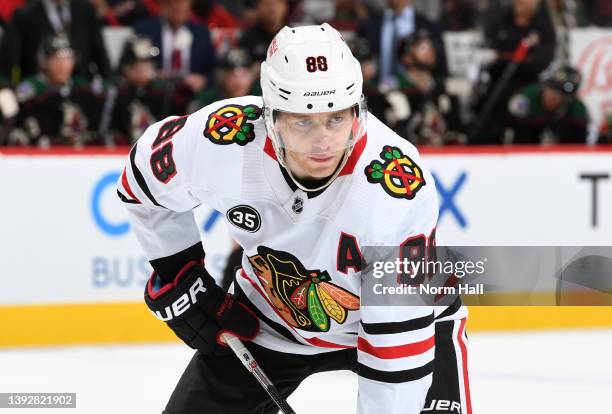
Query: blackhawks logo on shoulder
[
  {"x": 305, "y": 298},
  {"x": 230, "y": 124},
  {"x": 398, "y": 174}
]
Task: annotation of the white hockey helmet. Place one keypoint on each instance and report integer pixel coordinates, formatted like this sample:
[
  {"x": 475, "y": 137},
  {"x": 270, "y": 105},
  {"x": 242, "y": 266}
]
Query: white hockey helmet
[{"x": 310, "y": 69}]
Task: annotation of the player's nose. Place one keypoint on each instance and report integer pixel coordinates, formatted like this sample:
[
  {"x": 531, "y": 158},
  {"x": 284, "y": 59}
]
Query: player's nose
[
  {"x": 321, "y": 143},
  {"x": 321, "y": 136}
]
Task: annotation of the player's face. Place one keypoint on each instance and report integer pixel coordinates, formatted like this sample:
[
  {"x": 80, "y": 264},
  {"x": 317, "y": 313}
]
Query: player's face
[
  {"x": 421, "y": 54},
  {"x": 139, "y": 73},
  {"x": 315, "y": 143},
  {"x": 59, "y": 68},
  {"x": 551, "y": 99},
  {"x": 425, "y": 53},
  {"x": 272, "y": 12},
  {"x": 525, "y": 7},
  {"x": 237, "y": 82},
  {"x": 176, "y": 11}
]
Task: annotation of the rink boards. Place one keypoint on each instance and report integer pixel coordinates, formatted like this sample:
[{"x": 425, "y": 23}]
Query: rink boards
[{"x": 74, "y": 273}]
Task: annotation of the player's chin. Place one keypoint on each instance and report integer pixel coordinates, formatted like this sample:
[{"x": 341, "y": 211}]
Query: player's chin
[{"x": 322, "y": 166}]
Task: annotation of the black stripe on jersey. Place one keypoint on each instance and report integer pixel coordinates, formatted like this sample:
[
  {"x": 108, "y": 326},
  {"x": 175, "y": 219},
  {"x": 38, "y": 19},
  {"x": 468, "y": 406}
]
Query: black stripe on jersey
[
  {"x": 452, "y": 309},
  {"x": 168, "y": 267},
  {"x": 394, "y": 377},
  {"x": 274, "y": 325},
  {"x": 445, "y": 384},
  {"x": 125, "y": 199},
  {"x": 140, "y": 179},
  {"x": 397, "y": 327}
]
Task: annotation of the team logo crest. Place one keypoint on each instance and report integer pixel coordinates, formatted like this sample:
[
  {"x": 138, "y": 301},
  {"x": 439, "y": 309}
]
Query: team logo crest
[
  {"x": 399, "y": 175},
  {"x": 230, "y": 124},
  {"x": 305, "y": 298}
]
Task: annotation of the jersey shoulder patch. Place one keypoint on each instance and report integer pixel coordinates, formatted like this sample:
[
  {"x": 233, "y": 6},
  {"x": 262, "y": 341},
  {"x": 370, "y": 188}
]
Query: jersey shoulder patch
[
  {"x": 231, "y": 122},
  {"x": 26, "y": 90},
  {"x": 398, "y": 174},
  {"x": 397, "y": 191},
  {"x": 519, "y": 106}
]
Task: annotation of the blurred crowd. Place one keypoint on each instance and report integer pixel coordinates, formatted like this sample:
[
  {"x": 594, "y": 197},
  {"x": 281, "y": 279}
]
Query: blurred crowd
[{"x": 58, "y": 86}]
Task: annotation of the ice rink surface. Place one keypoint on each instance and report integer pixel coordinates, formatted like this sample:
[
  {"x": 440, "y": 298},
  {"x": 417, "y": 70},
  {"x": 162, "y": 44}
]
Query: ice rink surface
[{"x": 559, "y": 372}]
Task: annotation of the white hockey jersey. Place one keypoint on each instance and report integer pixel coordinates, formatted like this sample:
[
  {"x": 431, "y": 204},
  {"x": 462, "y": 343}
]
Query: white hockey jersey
[{"x": 302, "y": 255}]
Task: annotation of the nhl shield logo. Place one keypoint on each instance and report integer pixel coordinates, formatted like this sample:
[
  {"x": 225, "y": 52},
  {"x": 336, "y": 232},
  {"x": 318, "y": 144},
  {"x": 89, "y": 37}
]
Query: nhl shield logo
[
  {"x": 305, "y": 298},
  {"x": 298, "y": 205},
  {"x": 399, "y": 175},
  {"x": 230, "y": 124}
]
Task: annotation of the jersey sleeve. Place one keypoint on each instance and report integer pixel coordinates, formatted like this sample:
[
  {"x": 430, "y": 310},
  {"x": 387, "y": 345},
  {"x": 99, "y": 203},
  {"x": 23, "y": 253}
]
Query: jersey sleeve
[
  {"x": 155, "y": 186},
  {"x": 396, "y": 344}
]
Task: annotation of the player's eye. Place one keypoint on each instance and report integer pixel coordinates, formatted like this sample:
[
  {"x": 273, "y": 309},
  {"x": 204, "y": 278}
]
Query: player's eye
[
  {"x": 337, "y": 119},
  {"x": 303, "y": 123}
]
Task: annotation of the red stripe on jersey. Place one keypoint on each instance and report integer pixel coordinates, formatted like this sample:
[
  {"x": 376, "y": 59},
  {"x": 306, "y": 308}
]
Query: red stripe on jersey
[
  {"x": 325, "y": 344},
  {"x": 125, "y": 183},
  {"x": 399, "y": 351},
  {"x": 466, "y": 379},
  {"x": 354, "y": 157},
  {"x": 312, "y": 341},
  {"x": 269, "y": 149}
]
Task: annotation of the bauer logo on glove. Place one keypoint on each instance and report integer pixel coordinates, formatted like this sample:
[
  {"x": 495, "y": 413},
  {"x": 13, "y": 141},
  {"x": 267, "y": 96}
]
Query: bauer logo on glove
[{"x": 179, "y": 306}]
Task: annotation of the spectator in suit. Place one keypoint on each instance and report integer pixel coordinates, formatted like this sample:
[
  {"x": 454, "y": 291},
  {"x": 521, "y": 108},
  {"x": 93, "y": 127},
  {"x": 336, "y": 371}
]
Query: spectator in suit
[
  {"x": 398, "y": 21},
  {"x": 186, "y": 54},
  {"x": 39, "y": 19},
  {"x": 271, "y": 17}
]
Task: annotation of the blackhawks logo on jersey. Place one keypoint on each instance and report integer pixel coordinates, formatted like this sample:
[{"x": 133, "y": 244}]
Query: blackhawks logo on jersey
[
  {"x": 305, "y": 298},
  {"x": 399, "y": 175},
  {"x": 230, "y": 124}
]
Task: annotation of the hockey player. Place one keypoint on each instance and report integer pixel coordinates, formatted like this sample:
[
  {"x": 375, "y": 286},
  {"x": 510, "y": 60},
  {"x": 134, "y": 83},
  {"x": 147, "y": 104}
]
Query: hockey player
[
  {"x": 235, "y": 78},
  {"x": 141, "y": 94},
  {"x": 304, "y": 185},
  {"x": 57, "y": 108},
  {"x": 550, "y": 112}
]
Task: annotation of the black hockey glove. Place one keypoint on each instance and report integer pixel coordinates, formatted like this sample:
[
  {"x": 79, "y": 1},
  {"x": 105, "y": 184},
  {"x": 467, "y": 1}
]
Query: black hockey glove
[{"x": 199, "y": 311}]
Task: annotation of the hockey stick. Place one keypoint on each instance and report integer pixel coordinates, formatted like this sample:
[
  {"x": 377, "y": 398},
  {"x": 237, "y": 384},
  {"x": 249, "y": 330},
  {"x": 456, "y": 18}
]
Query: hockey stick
[
  {"x": 253, "y": 367},
  {"x": 519, "y": 55}
]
